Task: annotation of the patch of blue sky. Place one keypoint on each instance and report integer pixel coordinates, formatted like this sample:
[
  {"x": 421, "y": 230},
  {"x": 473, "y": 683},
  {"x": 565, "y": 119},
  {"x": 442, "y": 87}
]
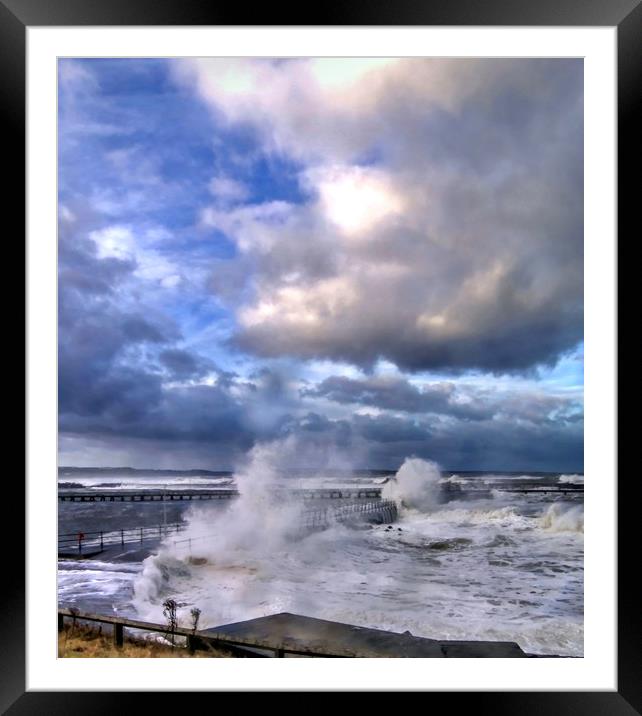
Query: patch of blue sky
[
  {"x": 211, "y": 339},
  {"x": 315, "y": 371},
  {"x": 127, "y": 75},
  {"x": 197, "y": 312},
  {"x": 160, "y": 168},
  {"x": 567, "y": 373},
  {"x": 199, "y": 245},
  {"x": 273, "y": 178}
]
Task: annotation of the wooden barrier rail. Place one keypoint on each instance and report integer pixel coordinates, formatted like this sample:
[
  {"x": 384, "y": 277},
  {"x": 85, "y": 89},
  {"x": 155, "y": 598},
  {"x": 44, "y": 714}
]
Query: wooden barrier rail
[{"x": 195, "y": 640}]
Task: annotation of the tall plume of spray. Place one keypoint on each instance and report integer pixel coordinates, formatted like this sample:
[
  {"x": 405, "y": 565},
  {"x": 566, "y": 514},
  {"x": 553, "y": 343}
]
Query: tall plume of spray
[
  {"x": 260, "y": 520},
  {"x": 263, "y": 518},
  {"x": 415, "y": 485},
  {"x": 245, "y": 537}
]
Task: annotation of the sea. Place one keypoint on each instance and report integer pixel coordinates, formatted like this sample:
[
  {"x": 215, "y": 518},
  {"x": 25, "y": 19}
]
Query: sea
[{"x": 471, "y": 555}]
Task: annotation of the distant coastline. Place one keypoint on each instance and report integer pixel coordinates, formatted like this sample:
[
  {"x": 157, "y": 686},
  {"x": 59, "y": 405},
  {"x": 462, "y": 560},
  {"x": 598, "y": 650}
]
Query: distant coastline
[{"x": 68, "y": 471}]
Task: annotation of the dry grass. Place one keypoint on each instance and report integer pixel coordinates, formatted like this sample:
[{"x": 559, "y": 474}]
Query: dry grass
[{"x": 85, "y": 642}]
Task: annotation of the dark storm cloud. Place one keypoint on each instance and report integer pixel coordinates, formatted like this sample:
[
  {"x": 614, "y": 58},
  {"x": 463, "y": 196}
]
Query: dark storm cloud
[
  {"x": 79, "y": 266},
  {"x": 183, "y": 364},
  {"x": 102, "y": 341},
  {"x": 93, "y": 374},
  {"x": 387, "y": 429},
  {"x": 501, "y": 444},
  {"x": 115, "y": 352},
  {"x": 113, "y": 363},
  {"x": 312, "y": 423},
  {"x": 399, "y": 394}
]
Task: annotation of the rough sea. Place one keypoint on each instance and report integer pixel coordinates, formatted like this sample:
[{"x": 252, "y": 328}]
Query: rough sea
[{"x": 468, "y": 557}]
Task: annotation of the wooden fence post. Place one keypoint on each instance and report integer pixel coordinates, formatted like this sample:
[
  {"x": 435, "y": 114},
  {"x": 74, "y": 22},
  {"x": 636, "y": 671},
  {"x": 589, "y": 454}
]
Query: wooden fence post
[
  {"x": 192, "y": 643},
  {"x": 118, "y": 635}
]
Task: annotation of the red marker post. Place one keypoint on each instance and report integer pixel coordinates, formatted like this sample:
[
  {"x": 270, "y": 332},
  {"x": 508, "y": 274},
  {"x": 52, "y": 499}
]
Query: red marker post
[{"x": 81, "y": 537}]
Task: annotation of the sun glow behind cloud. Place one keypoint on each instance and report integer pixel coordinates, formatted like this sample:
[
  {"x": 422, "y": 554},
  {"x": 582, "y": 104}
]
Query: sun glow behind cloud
[
  {"x": 335, "y": 73},
  {"x": 355, "y": 198}
]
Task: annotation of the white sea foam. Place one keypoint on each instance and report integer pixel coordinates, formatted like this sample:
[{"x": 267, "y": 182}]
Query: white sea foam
[
  {"x": 572, "y": 479},
  {"x": 105, "y": 585},
  {"x": 481, "y": 515},
  {"x": 129, "y": 482},
  {"x": 455, "y": 480}
]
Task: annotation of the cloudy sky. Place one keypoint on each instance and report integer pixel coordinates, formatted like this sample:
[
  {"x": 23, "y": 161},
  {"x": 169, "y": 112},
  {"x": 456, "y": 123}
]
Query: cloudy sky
[{"x": 383, "y": 258}]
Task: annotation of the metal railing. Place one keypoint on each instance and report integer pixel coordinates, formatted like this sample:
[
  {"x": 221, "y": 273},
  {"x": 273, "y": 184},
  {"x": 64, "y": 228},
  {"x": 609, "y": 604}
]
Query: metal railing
[
  {"x": 354, "y": 512},
  {"x": 79, "y": 543},
  {"x": 82, "y": 542}
]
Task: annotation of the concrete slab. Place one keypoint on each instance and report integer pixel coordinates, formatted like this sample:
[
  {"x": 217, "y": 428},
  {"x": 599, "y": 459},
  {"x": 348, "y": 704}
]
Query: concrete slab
[{"x": 319, "y": 636}]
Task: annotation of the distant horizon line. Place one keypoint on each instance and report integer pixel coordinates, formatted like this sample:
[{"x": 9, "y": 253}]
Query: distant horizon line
[{"x": 308, "y": 469}]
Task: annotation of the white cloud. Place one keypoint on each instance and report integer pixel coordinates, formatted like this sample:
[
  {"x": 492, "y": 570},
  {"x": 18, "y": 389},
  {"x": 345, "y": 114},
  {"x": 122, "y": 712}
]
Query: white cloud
[
  {"x": 76, "y": 77},
  {"x": 115, "y": 242},
  {"x": 124, "y": 243},
  {"x": 333, "y": 73},
  {"x": 443, "y": 226},
  {"x": 224, "y": 189},
  {"x": 65, "y": 214}
]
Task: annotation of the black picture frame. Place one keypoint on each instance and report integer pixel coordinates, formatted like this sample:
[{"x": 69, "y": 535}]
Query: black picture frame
[{"x": 626, "y": 15}]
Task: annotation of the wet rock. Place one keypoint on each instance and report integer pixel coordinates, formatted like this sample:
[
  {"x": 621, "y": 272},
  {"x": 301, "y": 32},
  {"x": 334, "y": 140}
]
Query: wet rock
[{"x": 197, "y": 560}]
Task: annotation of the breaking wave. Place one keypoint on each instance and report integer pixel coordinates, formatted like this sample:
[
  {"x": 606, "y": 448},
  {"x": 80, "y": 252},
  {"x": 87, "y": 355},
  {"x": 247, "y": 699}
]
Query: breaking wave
[
  {"x": 559, "y": 518},
  {"x": 415, "y": 485}
]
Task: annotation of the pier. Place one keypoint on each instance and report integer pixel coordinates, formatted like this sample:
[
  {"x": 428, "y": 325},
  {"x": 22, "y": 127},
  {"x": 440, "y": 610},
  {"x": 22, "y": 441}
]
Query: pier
[
  {"x": 329, "y": 493},
  {"x": 89, "y": 495}
]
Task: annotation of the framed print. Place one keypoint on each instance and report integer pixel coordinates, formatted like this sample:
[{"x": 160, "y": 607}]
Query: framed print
[{"x": 309, "y": 311}]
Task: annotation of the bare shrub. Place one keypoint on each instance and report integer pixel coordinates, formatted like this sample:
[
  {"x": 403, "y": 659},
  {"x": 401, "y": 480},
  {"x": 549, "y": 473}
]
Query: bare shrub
[{"x": 169, "y": 612}]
